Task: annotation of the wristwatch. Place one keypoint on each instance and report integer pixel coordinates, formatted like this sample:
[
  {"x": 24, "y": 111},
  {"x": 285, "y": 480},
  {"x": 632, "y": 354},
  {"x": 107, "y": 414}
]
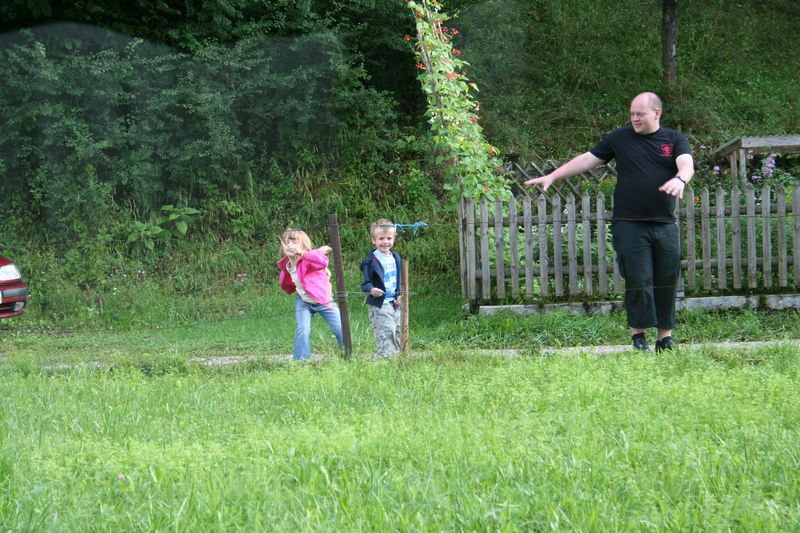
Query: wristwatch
[{"x": 682, "y": 180}]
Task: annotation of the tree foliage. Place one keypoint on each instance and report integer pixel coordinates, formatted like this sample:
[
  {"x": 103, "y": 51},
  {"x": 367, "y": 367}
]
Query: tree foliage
[
  {"x": 266, "y": 113},
  {"x": 100, "y": 126}
]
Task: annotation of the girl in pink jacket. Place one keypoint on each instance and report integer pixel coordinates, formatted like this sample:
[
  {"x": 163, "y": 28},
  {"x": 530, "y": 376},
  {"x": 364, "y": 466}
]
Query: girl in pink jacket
[{"x": 304, "y": 273}]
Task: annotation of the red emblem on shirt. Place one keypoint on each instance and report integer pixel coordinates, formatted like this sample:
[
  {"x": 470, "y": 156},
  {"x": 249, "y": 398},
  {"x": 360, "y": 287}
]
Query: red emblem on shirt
[{"x": 666, "y": 150}]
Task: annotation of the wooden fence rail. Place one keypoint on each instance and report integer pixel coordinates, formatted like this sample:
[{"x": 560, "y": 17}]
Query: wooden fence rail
[{"x": 559, "y": 247}]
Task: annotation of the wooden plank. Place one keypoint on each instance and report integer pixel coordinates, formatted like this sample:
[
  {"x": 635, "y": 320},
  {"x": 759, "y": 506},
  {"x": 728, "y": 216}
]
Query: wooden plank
[
  {"x": 691, "y": 249},
  {"x": 341, "y": 289},
  {"x": 766, "y": 235},
  {"x": 743, "y": 167},
  {"x": 680, "y": 289},
  {"x": 499, "y": 250},
  {"x": 486, "y": 267},
  {"x": 572, "y": 245},
  {"x": 513, "y": 242},
  {"x": 752, "y": 263},
  {"x": 614, "y": 260},
  {"x": 729, "y": 147},
  {"x": 462, "y": 255},
  {"x": 405, "y": 337},
  {"x": 762, "y": 145},
  {"x": 796, "y": 232},
  {"x": 736, "y": 237},
  {"x": 771, "y": 143},
  {"x": 722, "y": 237},
  {"x": 586, "y": 223},
  {"x": 527, "y": 224},
  {"x": 558, "y": 255},
  {"x": 705, "y": 226},
  {"x": 783, "y": 270},
  {"x": 602, "y": 273},
  {"x": 472, "y": 285},
  {"x": 544, "y": 263}
]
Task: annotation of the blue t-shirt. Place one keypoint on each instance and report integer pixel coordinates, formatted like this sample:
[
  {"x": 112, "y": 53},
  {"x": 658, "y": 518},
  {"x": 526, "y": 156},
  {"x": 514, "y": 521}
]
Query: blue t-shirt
[{"x": 389, "y": 274}]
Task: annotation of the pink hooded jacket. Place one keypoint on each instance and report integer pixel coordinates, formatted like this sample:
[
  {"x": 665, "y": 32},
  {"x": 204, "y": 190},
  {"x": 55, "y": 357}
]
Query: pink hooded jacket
[{"x": 314, "y": 276}]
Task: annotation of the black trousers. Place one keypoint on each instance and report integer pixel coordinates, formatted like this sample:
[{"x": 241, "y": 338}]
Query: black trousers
[{"x": 649, "y": 258}]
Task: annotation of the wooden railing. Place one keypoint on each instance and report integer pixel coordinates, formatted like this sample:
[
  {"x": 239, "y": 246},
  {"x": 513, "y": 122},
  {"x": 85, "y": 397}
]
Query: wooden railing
[{"x": 558, "y": 247}]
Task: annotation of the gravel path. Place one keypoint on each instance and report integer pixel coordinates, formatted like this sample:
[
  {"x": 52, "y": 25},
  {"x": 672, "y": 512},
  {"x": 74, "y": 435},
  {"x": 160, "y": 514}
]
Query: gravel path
[{"x": 229, "y": 360}]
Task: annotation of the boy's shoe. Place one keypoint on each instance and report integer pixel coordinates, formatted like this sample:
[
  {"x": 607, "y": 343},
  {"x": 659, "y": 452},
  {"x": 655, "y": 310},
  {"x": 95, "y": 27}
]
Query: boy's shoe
[
  {"x": 667, "y": 343},
  {"x": 640, "y": 342}
]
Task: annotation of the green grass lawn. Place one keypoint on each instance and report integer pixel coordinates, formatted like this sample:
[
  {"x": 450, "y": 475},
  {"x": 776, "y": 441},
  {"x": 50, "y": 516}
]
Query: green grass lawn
[
  {"x": 123, "y": 429},
  {"x": 452, "y": 441},
  {"x": 260, "y": 322}
]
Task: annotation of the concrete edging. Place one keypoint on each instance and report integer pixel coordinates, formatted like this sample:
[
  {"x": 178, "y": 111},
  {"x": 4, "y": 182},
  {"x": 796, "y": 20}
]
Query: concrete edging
[{"x": 707, "y": 303}]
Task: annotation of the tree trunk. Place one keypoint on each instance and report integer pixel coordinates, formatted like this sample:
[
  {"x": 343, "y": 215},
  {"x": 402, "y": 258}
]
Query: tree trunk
[{"x": 669, "y": 41}]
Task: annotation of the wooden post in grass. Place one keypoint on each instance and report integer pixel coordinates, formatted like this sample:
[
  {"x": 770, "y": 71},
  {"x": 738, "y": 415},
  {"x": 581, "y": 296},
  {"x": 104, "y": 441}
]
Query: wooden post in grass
[
  {"x": 341, "y": 293},
  {"x": 404, "y": 330}
]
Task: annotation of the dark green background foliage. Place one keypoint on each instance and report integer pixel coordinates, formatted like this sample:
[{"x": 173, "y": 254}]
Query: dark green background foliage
[
  {"x": 555, "y": 74},
  {"x": 261, "y": 115},
  {"x": 102, "y": 123}
]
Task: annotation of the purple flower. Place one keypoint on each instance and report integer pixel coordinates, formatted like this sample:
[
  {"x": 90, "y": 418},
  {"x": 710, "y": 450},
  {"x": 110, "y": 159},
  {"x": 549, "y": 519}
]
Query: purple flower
[
  {"x": 755, "y": 177},
  {"x": 768, "y": 167},
  {"x": 715, "y": 170}
]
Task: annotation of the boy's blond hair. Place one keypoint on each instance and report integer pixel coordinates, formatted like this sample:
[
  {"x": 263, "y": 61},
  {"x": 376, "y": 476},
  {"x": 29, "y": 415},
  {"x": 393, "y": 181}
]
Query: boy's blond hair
[
  {"x": 299, "y": 235},
  {"x": 381, "y": 225}
]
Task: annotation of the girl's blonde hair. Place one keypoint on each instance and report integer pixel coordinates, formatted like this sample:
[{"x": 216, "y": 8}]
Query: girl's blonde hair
[{"x": 299, "y": 235}]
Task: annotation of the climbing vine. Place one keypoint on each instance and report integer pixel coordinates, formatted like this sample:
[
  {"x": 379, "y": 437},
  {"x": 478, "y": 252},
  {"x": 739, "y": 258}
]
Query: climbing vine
[{"x": 473, "y": 167}]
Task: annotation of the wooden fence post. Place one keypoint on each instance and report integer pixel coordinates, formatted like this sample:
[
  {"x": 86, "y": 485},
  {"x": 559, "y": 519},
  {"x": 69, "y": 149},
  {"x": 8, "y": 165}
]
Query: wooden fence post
[
  {"x": 471, "y": 252},
  {"x": 462, "y": 251},
  {"x": 405, "y": 341},
  {"x": 341, "y": 293}
]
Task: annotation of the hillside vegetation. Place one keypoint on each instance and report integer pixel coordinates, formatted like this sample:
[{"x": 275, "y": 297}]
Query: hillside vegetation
[
  {"x": 160, "y": 151},
  {"x": 554, "y": 75}
]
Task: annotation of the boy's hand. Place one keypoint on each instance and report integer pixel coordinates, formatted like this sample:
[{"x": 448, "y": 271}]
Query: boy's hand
[{"x": 376, "y": 292}]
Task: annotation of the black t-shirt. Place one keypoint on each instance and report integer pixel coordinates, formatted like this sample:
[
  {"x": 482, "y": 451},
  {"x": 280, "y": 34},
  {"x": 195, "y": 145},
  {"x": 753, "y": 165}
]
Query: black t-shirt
[{"x": 644, "y": 163}]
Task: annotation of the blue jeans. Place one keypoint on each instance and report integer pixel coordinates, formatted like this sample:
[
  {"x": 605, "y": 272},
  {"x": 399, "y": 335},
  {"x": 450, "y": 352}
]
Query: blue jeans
[{"x": 303, "y": 312}]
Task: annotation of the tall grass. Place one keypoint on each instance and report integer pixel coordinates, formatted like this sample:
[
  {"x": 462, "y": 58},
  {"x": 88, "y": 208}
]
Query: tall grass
[
  {"x": 685, "y": 441},
  {"x": 117, "y": 424}
]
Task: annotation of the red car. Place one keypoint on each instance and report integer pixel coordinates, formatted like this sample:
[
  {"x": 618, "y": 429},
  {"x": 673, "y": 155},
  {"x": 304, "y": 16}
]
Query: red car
[{"x": 13, "y": 291}]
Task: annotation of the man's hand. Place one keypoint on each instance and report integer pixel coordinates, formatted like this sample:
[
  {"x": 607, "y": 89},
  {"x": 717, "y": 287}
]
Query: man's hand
[
  {"x": 542, "y": 181},
  {"x": 376, "y": 292},
  {"x": 673, "y": 187}
]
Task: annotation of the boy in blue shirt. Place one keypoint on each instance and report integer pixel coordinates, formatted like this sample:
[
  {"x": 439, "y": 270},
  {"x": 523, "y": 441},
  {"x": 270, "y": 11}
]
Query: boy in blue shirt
[{"x": 382, "y": 269}]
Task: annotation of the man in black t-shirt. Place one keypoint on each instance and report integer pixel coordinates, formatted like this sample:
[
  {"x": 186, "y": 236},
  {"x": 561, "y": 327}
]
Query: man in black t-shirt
[{"x": 654, "y": 164}]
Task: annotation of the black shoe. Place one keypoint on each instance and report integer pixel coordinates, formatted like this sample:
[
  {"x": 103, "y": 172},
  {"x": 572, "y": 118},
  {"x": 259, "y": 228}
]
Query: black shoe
[
  {"x": 667, "y": 343},
  {"x": 640, "y": 342}
]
